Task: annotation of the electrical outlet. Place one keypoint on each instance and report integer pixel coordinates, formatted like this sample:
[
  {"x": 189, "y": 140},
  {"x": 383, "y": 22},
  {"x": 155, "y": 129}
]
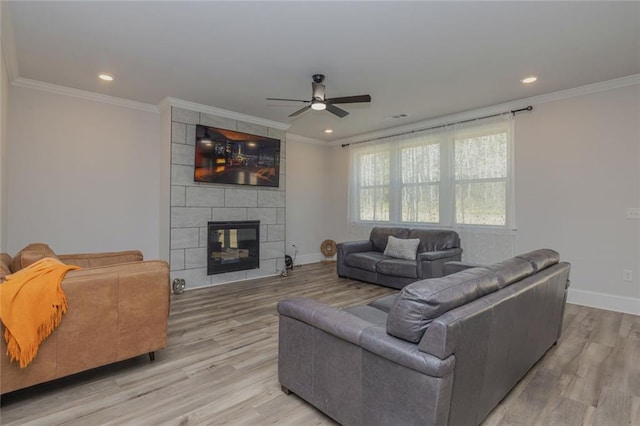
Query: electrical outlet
[
  {"x": 627, "y": 275},
  {"x": 633, "y": 213}
]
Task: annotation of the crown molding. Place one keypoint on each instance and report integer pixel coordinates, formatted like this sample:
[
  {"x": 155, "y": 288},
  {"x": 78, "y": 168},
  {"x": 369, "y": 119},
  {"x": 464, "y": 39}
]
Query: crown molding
[
  {"x": 83, "y": 94},
  {"x": 303, "y": 139},
  {"x": 583, "y": 90},
  {"x": 499, "y": 108},
  {"x": 193, "y": 106},
  {"x": 7, "y": 41}
]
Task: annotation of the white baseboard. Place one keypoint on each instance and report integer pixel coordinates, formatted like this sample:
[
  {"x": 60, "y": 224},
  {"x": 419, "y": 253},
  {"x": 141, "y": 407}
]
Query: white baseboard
[
  {"x": 304, "y": 259},
  {"x": 627, "y": 305}
]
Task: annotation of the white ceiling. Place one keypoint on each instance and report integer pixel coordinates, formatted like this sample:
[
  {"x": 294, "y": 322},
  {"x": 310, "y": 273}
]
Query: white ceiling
[{"x": 424, "y": 59}]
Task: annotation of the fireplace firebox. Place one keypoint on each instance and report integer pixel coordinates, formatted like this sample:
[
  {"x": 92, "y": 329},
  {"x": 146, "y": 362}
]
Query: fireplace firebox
[{"x": 233, "y": 246}]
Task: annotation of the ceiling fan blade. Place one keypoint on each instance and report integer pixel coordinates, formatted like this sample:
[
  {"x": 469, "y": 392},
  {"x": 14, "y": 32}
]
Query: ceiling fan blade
[
  {"x": 349, "y": 99},
  {"x": 290, "y": 100},
  {"x": 300, "y": 111},
  {"x": 336, "y": 111}
]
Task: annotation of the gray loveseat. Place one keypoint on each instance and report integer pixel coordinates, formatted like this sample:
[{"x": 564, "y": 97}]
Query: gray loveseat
[
  {"x": 442, "y": 351},
  {"x": 365, "y": 260}
]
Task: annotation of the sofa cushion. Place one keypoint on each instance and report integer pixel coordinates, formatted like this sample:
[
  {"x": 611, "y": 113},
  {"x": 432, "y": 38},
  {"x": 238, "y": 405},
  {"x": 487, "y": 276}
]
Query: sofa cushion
[
  {"x": 398, "y": 268},
  {"x": 541, "y": 259},
  {"x": 419, "y": 303},
  {"x": 5, "y": 258},
  {"x": 384, "y": 303},
  {"x": 31, "y": 254},
  {"x": 380, "y": 236},
  {"x": 435, "y": 240},
  {"x": 402, "y": 248},
  {"x": 511, "y": 270},
  {"x": 366, "y": 260},
  {"x": 369, "y": 313}
]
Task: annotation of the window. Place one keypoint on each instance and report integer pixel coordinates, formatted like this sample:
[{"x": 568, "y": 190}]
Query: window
[
  {"x": 420, "y": 182},
  {"x": 454, "y": 176},
  {"x": 374, "y": 186}
]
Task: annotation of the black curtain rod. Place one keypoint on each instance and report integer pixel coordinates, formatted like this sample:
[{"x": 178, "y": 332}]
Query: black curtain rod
[{"x": 513, "y": 111}]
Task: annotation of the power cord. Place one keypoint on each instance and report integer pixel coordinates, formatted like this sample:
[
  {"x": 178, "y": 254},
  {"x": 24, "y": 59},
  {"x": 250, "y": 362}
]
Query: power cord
[{"x": 295, "y": 253}]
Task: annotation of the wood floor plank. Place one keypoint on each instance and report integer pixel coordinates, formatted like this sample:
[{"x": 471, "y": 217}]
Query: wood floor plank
[
  {"x": 220, "y": 367},
  {"x": 614, "y": 407}
]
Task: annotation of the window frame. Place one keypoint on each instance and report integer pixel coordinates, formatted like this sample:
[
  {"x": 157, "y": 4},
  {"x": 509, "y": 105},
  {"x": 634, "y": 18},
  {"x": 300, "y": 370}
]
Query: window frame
[{"x": 447, "y": 184}]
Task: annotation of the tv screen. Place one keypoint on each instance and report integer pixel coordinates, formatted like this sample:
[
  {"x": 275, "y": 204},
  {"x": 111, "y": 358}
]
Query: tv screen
[{"x": 225, "y": 156}]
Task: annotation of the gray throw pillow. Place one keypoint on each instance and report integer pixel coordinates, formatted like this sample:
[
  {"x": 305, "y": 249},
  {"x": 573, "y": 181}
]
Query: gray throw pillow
[{"x": 402, "y": 248}]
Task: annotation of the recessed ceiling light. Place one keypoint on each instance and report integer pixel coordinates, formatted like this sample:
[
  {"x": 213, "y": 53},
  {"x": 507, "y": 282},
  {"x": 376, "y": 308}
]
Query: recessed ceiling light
[
  {"x": 328, "y": 131},
  {"x": 530, "y": 79},
  {"x": 105, "y": 77}
]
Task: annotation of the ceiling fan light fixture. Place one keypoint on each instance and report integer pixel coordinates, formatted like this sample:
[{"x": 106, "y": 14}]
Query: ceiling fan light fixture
[{"x": 318, "y": 105}]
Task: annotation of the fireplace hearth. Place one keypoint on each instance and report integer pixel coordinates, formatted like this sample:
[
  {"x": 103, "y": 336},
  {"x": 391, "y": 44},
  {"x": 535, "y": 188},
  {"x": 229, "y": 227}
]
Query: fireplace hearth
[{"x": 233, "y": 246}]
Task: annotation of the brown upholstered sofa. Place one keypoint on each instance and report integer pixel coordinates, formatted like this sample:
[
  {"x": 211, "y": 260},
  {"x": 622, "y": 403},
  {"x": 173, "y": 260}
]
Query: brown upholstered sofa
[{"x": 118, "y": 309}]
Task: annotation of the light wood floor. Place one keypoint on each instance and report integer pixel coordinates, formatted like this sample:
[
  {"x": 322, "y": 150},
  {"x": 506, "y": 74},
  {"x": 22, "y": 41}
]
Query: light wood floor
[{"x": 220, "y": 367}]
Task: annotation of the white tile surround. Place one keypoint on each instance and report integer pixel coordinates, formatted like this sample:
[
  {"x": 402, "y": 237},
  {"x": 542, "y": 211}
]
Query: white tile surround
[{"x": 194, "y": 204}]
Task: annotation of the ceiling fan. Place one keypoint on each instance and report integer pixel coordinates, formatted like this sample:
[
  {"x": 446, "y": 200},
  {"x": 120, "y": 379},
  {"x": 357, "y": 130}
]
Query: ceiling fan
[{"x": 318, "y": 101}]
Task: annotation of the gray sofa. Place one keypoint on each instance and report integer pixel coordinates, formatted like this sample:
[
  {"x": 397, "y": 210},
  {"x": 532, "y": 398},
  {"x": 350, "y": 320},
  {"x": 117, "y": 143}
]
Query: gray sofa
[
  {"x": 442, "y": 351},
  {"x": 365, "y": 260}
]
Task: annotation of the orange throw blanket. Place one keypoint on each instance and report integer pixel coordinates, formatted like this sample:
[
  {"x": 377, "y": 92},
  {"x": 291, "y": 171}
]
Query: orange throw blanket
[{"x": 31, "y": 306}]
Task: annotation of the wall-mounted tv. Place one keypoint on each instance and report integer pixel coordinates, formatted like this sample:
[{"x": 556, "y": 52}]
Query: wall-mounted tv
[{"x": 225, "y": 156}]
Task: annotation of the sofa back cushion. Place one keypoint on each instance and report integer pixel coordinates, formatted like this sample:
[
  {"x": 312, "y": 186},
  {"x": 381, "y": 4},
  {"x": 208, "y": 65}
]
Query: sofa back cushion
[
  {"x": 5, "y": 260},
  {"x": 419, "y": 303},
  {"x": 541, "y": 259},
  {"x": 435, "y": 240},
  {"x": 30, "y": 254},
  {"x": 380, "y": 236},
  {"x": 511, "y": 270}
]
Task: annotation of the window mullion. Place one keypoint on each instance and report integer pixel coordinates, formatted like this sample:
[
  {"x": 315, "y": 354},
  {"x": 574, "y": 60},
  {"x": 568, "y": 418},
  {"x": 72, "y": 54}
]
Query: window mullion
[
  {"x": 447, "y": 180},
  {"x": 395, "y": 186}
]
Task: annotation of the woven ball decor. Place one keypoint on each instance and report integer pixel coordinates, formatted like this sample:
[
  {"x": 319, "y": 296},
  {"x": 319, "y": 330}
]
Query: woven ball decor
[{"x": 328, "y": 248}]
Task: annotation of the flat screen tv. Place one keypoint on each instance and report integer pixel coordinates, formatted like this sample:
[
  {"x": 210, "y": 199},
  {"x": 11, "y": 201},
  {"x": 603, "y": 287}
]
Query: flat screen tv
[{"x": 225, "y": 156}]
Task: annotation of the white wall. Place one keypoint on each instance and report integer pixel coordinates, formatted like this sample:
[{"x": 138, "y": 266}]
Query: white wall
[
  {"x": 337, "y": 200},
  {"x": 577, "y": 170},
  {"x": 4, "y": 125},
  {"x": 308, "y": 183},
  {"x": 577, "y": 166},
  {"x": 83, "y": 175}
]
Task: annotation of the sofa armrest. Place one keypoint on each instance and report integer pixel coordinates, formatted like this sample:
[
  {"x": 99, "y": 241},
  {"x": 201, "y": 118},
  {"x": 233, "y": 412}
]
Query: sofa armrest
[
  {"x": 362, "y": 333},
  {"x": 90, "y": 260},
  {"x": 455, "y": 266},
  {"x": 115, "y": 312},
  {"x": 346, "y": 248},
  {"x": 431, "y": 264},
  {"x": 441, "y": 254},
  {"x": 334, "y": 321},
  {"x": 354, "y": 247},
  {"x": 152, "y": 275}
]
